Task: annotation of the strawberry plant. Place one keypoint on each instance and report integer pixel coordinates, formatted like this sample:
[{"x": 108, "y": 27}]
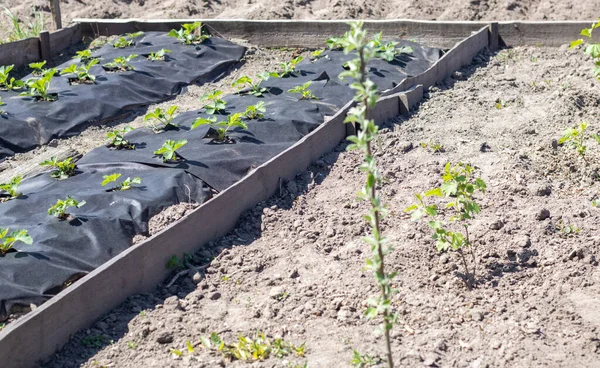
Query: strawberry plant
[
  {"x": 249, "y": 349},
  {"x": 9, "y": 83},
  {"x": 124, "y": 185},
  {"x": 190, "y": 33},
  {"x": 255, "y": 111},
  {"x": 356, "y": 41},
  {"x": 168, "y": 151},
  {"x": 316, "y": 55},
  {"x": 213, "y": 102},
  {"x": 10, "y": 189},
  {"x": 8, "y": 241},
  {"x": 38, "y": 88},
  {"x": 84, "y": 56},
  {"x": 163, "y": 117},
  {"x": 63, "y": 169},
  {"x": 82, "y": 73},
  {"x": 306, "y": 94},
  {"x": 60, "y": 208},
  {"x": 388, "y": 51},
  {"x": 117, "y": 139},
  {"x": 221, "y": 128},
  {"x": 460, "y": 186},
  {"x": 288, "y": 68},
  {"x": 160, "y": 55},
  {"x": 254, "y": 86},
  {"x": 38, "y": 68},
  {"x": 120, "y": 64},
  {"x": 577, "y": 137},
  {"x": 126, "y": 41},
  {"x": 592, "y": 49}
]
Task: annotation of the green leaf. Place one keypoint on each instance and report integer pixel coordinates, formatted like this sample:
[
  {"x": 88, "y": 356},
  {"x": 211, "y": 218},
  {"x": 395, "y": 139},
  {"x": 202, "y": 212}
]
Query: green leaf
[{"x": 437, "y": 192}]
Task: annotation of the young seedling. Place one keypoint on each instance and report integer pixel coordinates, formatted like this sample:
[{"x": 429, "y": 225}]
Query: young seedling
[
  {"x": 213, "y": 102},
  {"x": 577, "y": 137},
  {"x": 20, "y": 31},
  {"x": 306, "y": 94},
  {"x": 124, "y": 185},
  {"x": 60, "y": 208},
  {"x": 39, "y": 88},
  {"x": 253, "y": 87},
  {"x": 160, "y": 55},
  {"x": 363, "y": 360},
  {"x": 82, "y": 73},
  {"x": 433, "y": 146},
  {"x": 566, "y": 230},
  {"x": 255, "y": 111},
  {"x": 120, "y": 64},
  {"x": 162, "y": 117},
  {"x": 221, "y": 128},
  {"x": 117, "y": 139},
  {"x": 10, "y": 189},
  {"x": 38, "y": 68},
  {"x": 190, "y": 33},
  {"x": 9, "y": 83},
  {"x": 355, "y": 40},
  {"x": 84, "y": 56},
  {"x": 592, "y": 49},
  {"x": 126, "y": 41},
  {"x": 8, "y": 241},
  {"x": 460, "y": 186},
  {"x": 388, "y": 51},
  {"x": 168, "y": 151},
  {"x": 249, "y": 349},
  {"x": 63, "y": 169},
  {"x": 288, "y": 68}
]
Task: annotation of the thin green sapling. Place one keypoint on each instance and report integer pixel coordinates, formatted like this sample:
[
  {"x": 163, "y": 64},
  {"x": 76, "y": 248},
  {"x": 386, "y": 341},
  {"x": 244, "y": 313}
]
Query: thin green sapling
[
  {"x": 255, "y": 111},
  {"x": 8, "y": 241},
  {"x": 289, "y": 67},
  {"x": 120, "y": 64},
  {"x": 59, "y": 210},
  {"x": 460, "y": 186},
  {"x": 213, "y": 102},
  {"x": 190, "y": 33},
  {"x": 82, "y": 73},
  {"x": 577, "y": 137},
  {"x": 221, "y": 128},
  {"x": 127, "y": 40},
  {"x": 39, "y": 88},
  {"x": 164, "y": 117},
  {"x": 355, "y": 40},
  {"x": 117, "y": 139},
  {"x": 10, "y": 189},
  {"x": 305, "y": 93},
  {"x": 160, "y": 55},
  {"x": 9, "y": 83},
  {"x": 592, "y": 49},
  {"x": 124, "y": 185},
  {"x": 63, "y": 169},
  {"x": 168, "y": 151}
]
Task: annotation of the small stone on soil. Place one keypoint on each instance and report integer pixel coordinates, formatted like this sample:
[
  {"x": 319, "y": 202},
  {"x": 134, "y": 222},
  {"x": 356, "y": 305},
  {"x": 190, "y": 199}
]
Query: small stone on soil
[
  {"x": 164, "y": 337},
  {"x": 542, "y": 214},
  {"x": 496, "y": 225}
]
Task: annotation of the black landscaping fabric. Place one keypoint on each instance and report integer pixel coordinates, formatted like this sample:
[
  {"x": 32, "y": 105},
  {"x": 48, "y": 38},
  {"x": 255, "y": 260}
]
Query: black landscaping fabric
[
  {"x": 28, "y": 123},
  {"x": 107, "y": 223}
]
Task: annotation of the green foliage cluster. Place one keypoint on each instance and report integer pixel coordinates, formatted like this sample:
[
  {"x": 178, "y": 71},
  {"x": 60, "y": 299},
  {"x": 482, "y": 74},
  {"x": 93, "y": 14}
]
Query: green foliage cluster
[
  {"x": 168, "y": 151},
  {"x": 289, "y": 67},
  {"x": 213, "y": 104},
  {"x": 305, "y": 93},
  {"x": 121, "y": 63},
  {"x": 82, "y": 73},
  {"x": 7, "y": 82},
  {"x": 117, "y": 139},
  {"x": 160, "y": 55},
  {"x": 577, "y": 137},
  {"x": 592, "y": 49},
  {"x": 85, "y": 56},
  {"x": 254, "y": 87},
  {"x": 7, "y": 241},
  {"x": 124, "y": 185},
  {"x": 39, "y": 88},
  {"x": 255, "y": 111},
  {"x": 63, "y": 169},
  {"x": 37, "y": 69},
  {"x": 59, "y": 210},
  {"x": 127, "y": 40},
  {"x": 222, "y": 127},
  {"x": 387, "y": 51},
  {"x": 20, "y": 31},
  {"x": 11, "y": 189},
  {"x": 252, "y": 349},
  {"x": 190, "y": 33},
  {"x": 164, "y": 117}
]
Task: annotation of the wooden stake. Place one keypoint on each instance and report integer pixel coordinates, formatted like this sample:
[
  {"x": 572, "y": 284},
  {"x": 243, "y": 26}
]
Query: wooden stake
[{"x": 55, "y": 7}]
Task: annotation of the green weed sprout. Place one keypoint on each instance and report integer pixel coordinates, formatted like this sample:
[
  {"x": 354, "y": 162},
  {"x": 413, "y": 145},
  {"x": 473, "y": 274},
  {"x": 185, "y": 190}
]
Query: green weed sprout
[
  {"x": 306, "y": 94},
  {"x": 255, "y": 111},
  {"x": 592, "y": 49},
  {"x": 163, "y": 117},
  {"x": 576, "y": 137},
  {"x": 121, "y": 63},
  {"x": 222, "y": 127},
  {"x": 19, "y": 31},
  {"x": 8, "y": 241},
  {"x": 63, "y": 169},
  {"x": 9, "y": 83},
  {"x": 60, "y": 208},
  {"x": 124, "y": 185},
  {"x": 190, "y": 33},
  {"x": 363, "y": 360},
  {"x": 126, "y": 41},
  {"x": 355, "y": 40},
  {"x": 84, "y": 56},
  {"x": 288, "y": 68},
  {"x": 117, "y": 139},
  {"x": 11, "y": 189},
  {"x": 252, "y": 349},
  {"x": 39, "y": 88},
  {"x": 460, "y": 186},
  {"x": 82, "y": 73},
  {"x": 159, "y": 55},
  {"x": 254, "y": 86},
  {"x": 213, "y": 102},
  {"x": 168, "y": 151},
  {"x": 433, "y": 146}
]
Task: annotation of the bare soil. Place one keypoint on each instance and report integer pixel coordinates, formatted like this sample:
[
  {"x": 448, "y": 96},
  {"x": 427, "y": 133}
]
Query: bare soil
[{"x": 293, "y": 267}]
